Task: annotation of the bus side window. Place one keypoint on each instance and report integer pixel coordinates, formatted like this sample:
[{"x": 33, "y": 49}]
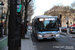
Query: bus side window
[{"x": 36, "y": 25}]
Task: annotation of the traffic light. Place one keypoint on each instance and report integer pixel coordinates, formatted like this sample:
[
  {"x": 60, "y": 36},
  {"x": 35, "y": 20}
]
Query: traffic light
[
  {"x": 66, "y": 22},
  {"x": 1, "y": 3},
  {"x": 27, "y": 22},
  {"x": 60, "y": 16}
]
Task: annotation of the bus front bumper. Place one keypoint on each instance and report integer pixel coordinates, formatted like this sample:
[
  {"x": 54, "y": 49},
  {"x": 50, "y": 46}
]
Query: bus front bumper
[{"x": 41, "y": 37}]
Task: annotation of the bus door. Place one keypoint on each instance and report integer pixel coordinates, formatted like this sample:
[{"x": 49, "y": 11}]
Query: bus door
[{"x": 35, "y": 27}]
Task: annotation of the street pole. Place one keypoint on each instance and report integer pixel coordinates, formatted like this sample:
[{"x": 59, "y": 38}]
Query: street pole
[
  {"x": 14, "y": 34},
  {"x": 11, "y": 27},
  {"x": 1, "y": 35},
  {"x": 67, "y": 25},
  {"x": 73, "y": 21},
  {"x": 60, "y": 23}
]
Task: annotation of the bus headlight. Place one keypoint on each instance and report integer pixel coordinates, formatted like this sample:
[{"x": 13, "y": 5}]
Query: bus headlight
[
  {"x": 39, "y": 35},
  {"x": 57, "y": 35}
]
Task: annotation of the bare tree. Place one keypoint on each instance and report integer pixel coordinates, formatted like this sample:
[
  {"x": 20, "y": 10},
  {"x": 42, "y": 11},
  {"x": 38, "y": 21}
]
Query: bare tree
[
  {"x": 26, "y": 3},
  {"x": 6, "y": 23},
  {"x": 72, "y": 5},
  {"x": 30, "y": 11}
]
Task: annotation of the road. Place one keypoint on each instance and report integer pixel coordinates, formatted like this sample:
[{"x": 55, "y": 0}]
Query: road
[{"x": 63, "y": 43}]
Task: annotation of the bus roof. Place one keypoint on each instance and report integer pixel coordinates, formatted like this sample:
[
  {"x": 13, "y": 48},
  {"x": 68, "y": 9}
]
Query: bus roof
[{"x": 44, "y": 16}]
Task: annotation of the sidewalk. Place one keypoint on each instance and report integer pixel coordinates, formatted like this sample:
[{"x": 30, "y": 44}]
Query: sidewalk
[
  {"x": 2, "y": 37},
  {"x": 3, "y": 42},
  {"x": 70, "y": 34},
  {"x": 26, "y": 44}
]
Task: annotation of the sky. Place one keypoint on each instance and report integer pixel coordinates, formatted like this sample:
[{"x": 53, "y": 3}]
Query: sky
[{"x": 43, "y": 5}]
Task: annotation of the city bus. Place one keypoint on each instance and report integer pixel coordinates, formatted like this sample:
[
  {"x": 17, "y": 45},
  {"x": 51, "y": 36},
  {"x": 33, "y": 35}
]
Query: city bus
[{"x": 45, "y": 27}]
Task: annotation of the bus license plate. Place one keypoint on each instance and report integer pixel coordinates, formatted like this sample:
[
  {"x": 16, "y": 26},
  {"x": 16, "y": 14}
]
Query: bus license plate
[{"x": 47, "y": 35}]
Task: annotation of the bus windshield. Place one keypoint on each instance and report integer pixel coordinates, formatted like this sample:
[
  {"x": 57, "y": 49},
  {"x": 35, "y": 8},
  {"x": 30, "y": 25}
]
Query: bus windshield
[{"x": 49, "y": 25}]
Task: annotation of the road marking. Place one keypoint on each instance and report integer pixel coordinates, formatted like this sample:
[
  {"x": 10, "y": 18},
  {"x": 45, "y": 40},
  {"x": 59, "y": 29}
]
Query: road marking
[{"x": 3, "y": 39}]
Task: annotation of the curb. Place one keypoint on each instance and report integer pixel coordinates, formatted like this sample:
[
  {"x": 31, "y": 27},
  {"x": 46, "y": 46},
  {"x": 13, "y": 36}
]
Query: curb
[
  {"x": 66, "y": 35},
  {"x": 73, "y": 36},
  {"x": 3, "y": 39},
  {"x": 63, "y": 34}
]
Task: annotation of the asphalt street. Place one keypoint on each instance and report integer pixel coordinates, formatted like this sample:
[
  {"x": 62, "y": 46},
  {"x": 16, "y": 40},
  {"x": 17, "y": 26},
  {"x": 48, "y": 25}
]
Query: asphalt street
[{"x": 62, "y": 43}]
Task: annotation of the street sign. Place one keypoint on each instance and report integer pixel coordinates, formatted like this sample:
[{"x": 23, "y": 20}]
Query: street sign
[{"x": 19, "y": 8}]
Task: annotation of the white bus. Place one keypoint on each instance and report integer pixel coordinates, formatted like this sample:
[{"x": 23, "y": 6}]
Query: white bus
[{"x": 45, "y": 27}]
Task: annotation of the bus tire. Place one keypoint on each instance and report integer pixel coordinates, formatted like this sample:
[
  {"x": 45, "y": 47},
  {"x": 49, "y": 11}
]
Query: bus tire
[
  {"x": 39, "y": 39},
  {"x": 53, "y": 39}
]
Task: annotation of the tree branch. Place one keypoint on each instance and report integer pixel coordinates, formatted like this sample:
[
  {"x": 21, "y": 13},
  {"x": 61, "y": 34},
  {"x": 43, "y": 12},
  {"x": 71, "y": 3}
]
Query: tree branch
[{"x": 29, "y": 1}]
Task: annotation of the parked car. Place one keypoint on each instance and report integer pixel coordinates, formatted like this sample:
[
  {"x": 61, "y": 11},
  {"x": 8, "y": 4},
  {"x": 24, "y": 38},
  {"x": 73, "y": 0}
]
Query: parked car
[
  {"x": 72, "y": 29},
  {"x": 64, "y": 29}
]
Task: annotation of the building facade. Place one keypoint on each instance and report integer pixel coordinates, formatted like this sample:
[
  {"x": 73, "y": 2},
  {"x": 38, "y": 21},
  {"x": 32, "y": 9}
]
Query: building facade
[{"x": 65, "y": 12}]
